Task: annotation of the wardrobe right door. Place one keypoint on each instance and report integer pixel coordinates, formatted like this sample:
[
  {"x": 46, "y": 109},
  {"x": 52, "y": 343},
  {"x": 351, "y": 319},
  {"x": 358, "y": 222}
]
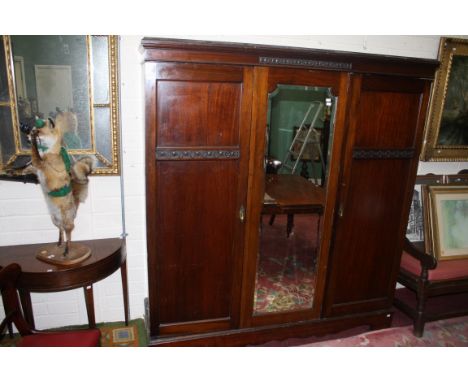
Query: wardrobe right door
[{"x": 385, "y": 125}]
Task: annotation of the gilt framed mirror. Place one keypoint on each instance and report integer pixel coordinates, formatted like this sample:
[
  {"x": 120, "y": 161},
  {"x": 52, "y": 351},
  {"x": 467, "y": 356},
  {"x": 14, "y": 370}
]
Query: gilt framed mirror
[
  {"x": 45, "y": 75},
  {"x": 446, "y": 136}
]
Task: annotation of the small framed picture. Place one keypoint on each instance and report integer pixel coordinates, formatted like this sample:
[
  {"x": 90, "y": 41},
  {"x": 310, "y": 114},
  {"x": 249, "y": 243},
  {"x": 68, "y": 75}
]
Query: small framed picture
[
  {"x": 415, "y": 227},
  {"x": 448, "y": 219}
]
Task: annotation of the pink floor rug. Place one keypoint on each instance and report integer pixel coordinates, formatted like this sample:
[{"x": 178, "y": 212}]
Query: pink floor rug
[{"x": 451, "y": 332}]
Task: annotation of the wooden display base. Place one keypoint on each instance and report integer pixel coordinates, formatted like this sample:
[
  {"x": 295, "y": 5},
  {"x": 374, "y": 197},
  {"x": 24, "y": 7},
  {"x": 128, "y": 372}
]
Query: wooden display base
[{"x": 53, "y": 254}]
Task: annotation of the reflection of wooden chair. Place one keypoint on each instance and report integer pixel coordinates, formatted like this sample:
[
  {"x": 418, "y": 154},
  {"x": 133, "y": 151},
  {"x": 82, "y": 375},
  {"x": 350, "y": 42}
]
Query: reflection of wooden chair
[
  {"x": 33, "y": 338},
  {"x": 421, "y": 273}
]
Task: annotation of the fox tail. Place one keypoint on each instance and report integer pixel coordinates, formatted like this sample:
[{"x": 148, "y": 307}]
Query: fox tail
[{"x": 80, "y": 172}]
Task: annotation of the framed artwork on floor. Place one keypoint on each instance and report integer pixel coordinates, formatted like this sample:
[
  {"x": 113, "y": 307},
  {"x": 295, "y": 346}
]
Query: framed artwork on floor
[
  {"x": 448, "y": 221},
  {"x": 415, "y": 227}
]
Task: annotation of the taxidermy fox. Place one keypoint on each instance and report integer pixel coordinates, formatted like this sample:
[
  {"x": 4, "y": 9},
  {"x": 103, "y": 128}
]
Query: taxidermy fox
[{"x": 64, "y": 184}]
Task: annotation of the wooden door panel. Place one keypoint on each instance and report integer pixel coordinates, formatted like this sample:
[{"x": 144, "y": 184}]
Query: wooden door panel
[
  {"x": 381, "y": 156},
  {"x": 197, "y": 206},
  {"x": 200, "y": 134},
  {"x": 386, "y": 119},
  {"x": 198, "y": 114},
  {"x": 366, "y": 242}
]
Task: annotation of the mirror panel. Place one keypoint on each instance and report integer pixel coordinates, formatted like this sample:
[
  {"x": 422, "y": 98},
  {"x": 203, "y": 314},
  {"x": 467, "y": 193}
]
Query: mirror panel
[
  {"x": 8, "y": 143},
  {"x": 299, "y": 131},
  {"x": 54, "y": 74},
  {"x": 100, "y": 69},
  {"x": 55, "y": 77},
  {"x": 4, "y": 96},
  {"x": 102, "y": 118}
]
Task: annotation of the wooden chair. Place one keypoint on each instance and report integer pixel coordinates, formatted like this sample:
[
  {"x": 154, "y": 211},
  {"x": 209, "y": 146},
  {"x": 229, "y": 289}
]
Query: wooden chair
[
  {"x": 32, "y": 338},
  {"x": 421, "y": 273}
]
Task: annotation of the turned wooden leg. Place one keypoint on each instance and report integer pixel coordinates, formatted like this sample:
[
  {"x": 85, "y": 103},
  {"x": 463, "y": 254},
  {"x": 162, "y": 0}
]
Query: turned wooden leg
[
  {"x": 421, "y": 304},
  {"x": 290, "y": 224},
  {"x": 26, "y": 304},
  {"x": 272, "y": 219},
  {"x": 419, "y": 321},
  {"x": 123, "y": 272},
  {"x": 89, "y": 298}
]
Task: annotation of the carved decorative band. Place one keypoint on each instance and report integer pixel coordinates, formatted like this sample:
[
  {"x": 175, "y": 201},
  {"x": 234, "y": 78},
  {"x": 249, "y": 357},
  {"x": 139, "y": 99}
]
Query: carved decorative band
[
  {"x": 183, "y": 154},
  {"x": 303, "y": 62},
  {"x": 383, "y": 154}
]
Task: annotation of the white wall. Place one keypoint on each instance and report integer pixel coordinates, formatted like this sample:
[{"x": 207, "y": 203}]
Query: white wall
[{"x": 23, "y": 214}]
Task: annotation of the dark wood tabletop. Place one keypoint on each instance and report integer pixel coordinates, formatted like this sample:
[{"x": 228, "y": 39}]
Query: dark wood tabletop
[
  {"x": 287, "y": 193},
  {"x": 36, "y": 275},
  {"x": 107, "y": 255}
]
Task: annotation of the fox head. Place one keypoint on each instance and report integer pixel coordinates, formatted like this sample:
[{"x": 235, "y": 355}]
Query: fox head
[{"x": 49, "y": 136}]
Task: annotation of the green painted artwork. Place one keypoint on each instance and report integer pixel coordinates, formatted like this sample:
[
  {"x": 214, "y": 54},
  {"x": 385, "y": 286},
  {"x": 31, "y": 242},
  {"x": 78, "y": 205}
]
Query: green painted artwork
[
  {"x": 454, "y": 123},
  {"x": 454, "y": 218}
]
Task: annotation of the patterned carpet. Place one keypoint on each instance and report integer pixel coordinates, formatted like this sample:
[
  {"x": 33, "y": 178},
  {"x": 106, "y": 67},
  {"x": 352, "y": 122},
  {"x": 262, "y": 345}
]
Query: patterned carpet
[
  {"x": 286, "y": 267},
  {"x": 116, "y": 334},
  {"x": 451, "y": 332},
  {"x": 113, "y": 334}
]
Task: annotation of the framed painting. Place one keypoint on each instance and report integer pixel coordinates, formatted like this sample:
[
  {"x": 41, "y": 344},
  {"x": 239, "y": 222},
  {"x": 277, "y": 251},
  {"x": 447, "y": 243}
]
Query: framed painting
[
  {"x": 448, "y": 215},
  {"x": 415, "y": 227},
  {"x": 446, "y": 136}
]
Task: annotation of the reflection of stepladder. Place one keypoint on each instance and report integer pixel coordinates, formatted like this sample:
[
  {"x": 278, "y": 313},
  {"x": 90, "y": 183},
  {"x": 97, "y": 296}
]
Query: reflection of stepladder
[{"x": 305, "y": 137}]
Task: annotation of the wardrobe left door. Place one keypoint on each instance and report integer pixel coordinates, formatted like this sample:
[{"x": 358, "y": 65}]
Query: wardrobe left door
[{"x": 198, "y": 119}]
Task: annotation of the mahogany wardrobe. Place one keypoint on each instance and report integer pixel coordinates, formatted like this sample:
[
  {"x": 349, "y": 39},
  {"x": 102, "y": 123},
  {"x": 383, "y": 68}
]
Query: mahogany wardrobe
[{"x": 249, "y": 239}]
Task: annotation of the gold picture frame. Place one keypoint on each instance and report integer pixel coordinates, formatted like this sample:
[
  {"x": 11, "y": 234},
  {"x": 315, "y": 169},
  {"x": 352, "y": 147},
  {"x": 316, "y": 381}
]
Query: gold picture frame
[
  {"x": 95, "y": 80},
  {"x": 446, "y": 136},
  {"x": 448, "y": 221}
]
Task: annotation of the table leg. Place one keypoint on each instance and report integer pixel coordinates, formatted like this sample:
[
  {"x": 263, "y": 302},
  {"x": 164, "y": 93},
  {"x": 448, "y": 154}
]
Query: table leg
[
  {"x": 26, "y": 304},
  {"x": 89, "y": 298},
  {"x": 123, "y": 272},
  {"x": 290, "y": 224},
  {"x": 272, "y": 219}
]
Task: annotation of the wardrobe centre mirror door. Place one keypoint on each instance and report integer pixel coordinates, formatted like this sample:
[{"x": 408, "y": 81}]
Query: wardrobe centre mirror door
[{"x": 299, "y": 136}]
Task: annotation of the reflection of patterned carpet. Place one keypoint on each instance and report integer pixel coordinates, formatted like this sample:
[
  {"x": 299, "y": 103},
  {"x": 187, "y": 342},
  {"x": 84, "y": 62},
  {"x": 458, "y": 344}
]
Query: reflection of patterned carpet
[
  {"x": 114, "y": 334},
  {"x": 286, "y": 267}
]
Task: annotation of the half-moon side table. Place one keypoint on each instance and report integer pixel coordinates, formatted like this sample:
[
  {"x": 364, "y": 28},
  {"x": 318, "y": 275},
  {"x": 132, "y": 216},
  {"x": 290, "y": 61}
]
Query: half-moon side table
[{"x": 107, "y": 255}]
